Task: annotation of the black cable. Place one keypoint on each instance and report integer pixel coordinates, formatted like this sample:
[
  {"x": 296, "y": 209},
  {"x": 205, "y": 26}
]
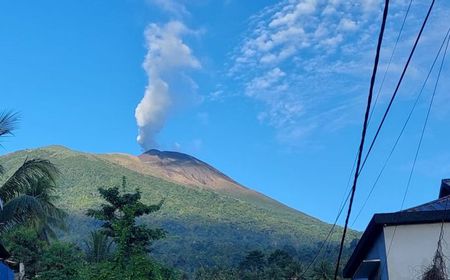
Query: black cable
[
  {"x": 398, "y": 86},
  {"x": 424, "y": 126},
  {"x": 344, "y": 201},
  {"x": 390, "y": 60},
  {"x": 404, "y": 125},
  {"x": 364, "y": 131},
  {"x": 421, "y": 139},
  {"x": 381, "y": 85},
  {"x": 346, "y": 197},
  {"x": 330, "y": 232}
]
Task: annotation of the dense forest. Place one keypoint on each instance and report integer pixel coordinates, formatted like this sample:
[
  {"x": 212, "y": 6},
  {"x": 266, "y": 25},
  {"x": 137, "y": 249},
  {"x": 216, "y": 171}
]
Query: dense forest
[{"x": 120, "y": 250}]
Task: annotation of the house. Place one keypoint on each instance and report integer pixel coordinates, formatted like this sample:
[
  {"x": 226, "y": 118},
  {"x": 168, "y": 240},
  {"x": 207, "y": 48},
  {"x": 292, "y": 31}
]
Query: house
[{"x": 402, "y": 245}]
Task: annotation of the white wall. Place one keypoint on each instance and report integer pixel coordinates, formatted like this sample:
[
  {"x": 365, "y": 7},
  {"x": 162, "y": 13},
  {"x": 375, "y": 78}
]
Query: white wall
[{"x": 413, "y": 248}]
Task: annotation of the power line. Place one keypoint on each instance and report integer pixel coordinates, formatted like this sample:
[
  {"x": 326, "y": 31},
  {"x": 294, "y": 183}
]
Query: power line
[
  {"x": 346, "y": 197},
  {"x": 424, "y": 126},
  {"x": 421, "y": 139},
  {"x": 404, "y": 126},
  {"x": 364, "y": 131},
  {"x": 330, "y": 232},
  {"x": 397, "y": 87},
  {"x": 379, "y": 93},
  {"x": 344, "y": 200},
  {"x": 390, "y": 60},
  {"x": 347, "y": 194}
]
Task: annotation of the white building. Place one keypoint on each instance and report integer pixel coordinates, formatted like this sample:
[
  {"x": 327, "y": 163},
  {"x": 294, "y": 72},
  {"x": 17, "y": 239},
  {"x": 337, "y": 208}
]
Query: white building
[{"x": 402, "y": 245}]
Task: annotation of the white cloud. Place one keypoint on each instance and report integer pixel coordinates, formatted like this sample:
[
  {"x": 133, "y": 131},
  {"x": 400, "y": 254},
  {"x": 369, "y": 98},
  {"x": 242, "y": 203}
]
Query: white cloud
[
  {"x": 290, "y": 17},
  {"x": 173, "y": 7},
  {"x": 369, "y": 5},
  {"x": 167, "y": 55},
  {"x": 269, "y": 81},
  {"x": 308, "y": 61},
  {"x": 332, "y": 41},
  {"x": 347, "y": 24}
]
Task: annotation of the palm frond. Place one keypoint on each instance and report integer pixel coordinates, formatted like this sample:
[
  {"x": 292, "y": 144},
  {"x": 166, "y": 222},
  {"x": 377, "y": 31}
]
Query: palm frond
[
  {"x": 35, "y": 208},
  {"x": 20, "y": 210},
  {"x": 98, "y": 246},
  {"x": 54, "y": 216},
  {"x": 8, "y": 122},
  {"x": 28, "y": 175},
  {"x": 44, "y": 229}
]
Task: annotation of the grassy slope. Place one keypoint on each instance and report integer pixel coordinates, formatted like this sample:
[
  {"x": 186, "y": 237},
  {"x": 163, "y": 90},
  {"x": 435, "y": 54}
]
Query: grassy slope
[{"x": 205, "y": 227}]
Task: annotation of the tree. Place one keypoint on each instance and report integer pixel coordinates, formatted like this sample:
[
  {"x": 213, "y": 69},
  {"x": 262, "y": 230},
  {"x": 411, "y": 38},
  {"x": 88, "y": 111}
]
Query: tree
[
  {"x": 25, "y": 246},
  {"x": 216, "y": 273},
  {"x": 98, "y": 247},
  {"x": 323, "y": 271},
  {"x": 281, "y": 265},
  {"x": 60, "y": 261},
  {"x": 26, "y": 194},
  {"x": 254, "y": 261},
  {"x": 119, "y": 222},
  {"x": 280, "y": 258},
  {"x": 132, "y": 241},
  {"x": 253, "y": 266}
]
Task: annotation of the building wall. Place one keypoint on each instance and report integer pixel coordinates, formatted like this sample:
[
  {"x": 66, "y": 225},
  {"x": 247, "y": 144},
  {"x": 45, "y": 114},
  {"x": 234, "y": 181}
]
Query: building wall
[
  {"x": 378, "y": 251},
  {"x": 411, "y": 248}
]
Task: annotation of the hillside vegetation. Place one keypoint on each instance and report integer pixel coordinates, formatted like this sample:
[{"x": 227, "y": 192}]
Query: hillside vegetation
[{"x": 206, "y": 227}]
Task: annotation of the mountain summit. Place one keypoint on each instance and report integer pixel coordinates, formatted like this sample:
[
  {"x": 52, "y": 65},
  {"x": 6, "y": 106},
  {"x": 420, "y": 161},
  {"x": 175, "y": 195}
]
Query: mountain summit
[{"x": 187, "y": 170}]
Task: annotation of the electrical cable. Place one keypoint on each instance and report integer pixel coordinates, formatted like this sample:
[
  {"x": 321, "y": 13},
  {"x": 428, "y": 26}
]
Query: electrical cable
[
  {"x": 346, "y": 197},
  {"x": 364, "y": 131},
  {"x": 404, "y": 126},
  {"x": 397, "y": 87},
  {"x": 390, "y": 60},
  {"x": 420, "y": 140},
  {"x": 344, "y": 200}
]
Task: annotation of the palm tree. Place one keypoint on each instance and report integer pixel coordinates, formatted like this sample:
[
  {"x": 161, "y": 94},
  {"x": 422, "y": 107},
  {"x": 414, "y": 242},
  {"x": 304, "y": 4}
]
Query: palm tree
[
  {"x": 26, "y": 194},
  {"x": 98, "y": 247}
]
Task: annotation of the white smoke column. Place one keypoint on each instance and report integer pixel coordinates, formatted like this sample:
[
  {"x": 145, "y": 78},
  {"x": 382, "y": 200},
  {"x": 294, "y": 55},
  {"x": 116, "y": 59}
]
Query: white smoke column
[{"x": 167, "y": 54}]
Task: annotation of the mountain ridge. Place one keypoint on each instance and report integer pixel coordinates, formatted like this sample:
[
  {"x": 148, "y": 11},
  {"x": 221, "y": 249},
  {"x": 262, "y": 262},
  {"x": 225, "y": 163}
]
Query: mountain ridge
[
  {"x": 206, "y": 226},
  {"x": 187, "y": 170}
]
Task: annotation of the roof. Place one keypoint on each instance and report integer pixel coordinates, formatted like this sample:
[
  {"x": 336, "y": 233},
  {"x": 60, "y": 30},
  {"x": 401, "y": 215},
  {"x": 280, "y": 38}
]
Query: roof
[
  {"x": 445, "y": 188},
  {"x": 440, "y": 204},
  {"x": 431, "y": 212}
]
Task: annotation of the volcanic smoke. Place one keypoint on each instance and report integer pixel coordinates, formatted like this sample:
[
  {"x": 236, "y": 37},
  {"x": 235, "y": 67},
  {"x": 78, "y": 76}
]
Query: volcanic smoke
[{"x": 167, "y": 56}]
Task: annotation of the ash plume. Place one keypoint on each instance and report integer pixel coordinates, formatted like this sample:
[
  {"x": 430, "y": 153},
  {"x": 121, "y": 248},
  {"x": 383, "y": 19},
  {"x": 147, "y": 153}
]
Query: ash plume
[{"x": 167, "y": 56}]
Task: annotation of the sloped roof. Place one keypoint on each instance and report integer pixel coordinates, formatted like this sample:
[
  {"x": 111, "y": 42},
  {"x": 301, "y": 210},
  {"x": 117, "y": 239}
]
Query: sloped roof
[
  {"x": 431, "y": 212},
  {"x": 440, "y": 204}
]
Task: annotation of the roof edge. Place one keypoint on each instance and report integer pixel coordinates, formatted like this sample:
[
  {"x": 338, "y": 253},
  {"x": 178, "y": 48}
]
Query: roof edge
[{"x": 379, "y": 221}]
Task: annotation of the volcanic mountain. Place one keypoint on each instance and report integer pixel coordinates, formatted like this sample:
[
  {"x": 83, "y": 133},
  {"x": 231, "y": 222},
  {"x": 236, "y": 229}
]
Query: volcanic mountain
[
  {"x": 211, "y": 219},
  {"x": 184, "y": 169},
  {"x": 179, "y": 168}
]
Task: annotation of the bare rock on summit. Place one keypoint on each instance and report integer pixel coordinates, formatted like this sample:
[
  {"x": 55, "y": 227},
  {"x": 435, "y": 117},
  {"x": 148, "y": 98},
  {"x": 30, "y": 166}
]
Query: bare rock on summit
[
  {"x": 179, "y": 168},
  {"x": 186, "y": 170}
]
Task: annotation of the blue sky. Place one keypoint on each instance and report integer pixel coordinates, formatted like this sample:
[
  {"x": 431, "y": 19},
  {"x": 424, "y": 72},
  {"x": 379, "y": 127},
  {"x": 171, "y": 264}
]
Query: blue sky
[{"x": 270, "y": 92}]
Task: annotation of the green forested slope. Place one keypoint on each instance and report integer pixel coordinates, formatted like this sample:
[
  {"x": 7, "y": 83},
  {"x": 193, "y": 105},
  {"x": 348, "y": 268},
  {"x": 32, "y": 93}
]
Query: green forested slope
[{"x": 204, "y": 227}]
